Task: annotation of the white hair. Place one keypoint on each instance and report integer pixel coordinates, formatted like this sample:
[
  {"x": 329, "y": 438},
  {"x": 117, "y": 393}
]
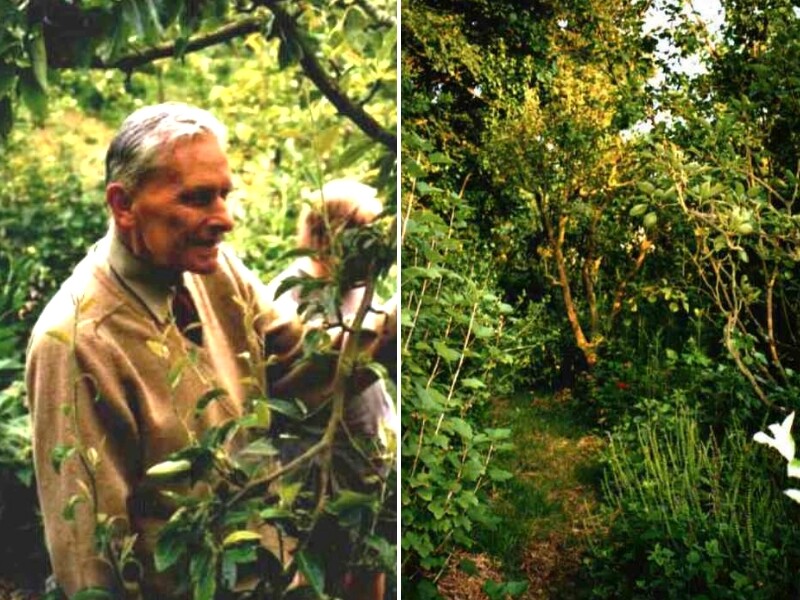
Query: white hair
[{"x": 134, "y": 151}]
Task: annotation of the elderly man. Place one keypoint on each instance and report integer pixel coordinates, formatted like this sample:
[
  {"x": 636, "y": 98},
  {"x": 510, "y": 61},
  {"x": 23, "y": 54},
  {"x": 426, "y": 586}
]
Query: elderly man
[{"x": 158, "y": 290}]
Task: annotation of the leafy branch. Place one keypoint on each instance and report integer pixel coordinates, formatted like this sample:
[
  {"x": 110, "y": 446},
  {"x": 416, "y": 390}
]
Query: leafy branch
[
  {"x": 255, "y": 24},
  {"x": 294, "y": 39},
  {"x": 314, "y": 70},
  {"x": 180, "y": 47}
]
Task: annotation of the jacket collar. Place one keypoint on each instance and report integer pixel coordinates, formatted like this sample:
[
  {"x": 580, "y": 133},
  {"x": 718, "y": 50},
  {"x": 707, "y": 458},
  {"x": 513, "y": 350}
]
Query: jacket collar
[{"x": 153, "y": 286}]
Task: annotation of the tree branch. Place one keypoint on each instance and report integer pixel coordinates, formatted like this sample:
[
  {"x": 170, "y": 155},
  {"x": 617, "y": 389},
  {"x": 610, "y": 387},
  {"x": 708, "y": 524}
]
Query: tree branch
[
  {"x": 308, "y": 62},
  {"x": 223, "y": 34},
  {"x": 327, "y": 86}
]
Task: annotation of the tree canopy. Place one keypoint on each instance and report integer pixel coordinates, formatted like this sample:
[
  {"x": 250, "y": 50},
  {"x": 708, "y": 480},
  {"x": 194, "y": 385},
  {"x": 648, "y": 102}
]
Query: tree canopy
[{"x": 42, "y": 35}]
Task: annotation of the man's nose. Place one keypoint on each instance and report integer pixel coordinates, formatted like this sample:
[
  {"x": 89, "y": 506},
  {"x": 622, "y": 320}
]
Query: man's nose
[{"x": 221, "y": 218}]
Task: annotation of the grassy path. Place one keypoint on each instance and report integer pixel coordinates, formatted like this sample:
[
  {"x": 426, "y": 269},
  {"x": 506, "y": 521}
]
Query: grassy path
[{"x": 548, "y": 509}]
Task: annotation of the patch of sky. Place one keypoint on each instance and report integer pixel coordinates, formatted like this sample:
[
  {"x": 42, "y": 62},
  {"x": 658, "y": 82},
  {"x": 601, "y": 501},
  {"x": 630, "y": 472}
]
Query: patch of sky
[{"x": 662, "y": 17}]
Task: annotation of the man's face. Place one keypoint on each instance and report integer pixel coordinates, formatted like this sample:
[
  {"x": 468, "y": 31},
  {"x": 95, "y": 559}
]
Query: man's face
[{"x": 179, "y": 216}]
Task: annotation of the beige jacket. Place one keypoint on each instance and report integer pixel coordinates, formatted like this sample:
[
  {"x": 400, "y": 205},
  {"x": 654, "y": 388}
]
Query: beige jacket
[{"x": 101, "y": 376}]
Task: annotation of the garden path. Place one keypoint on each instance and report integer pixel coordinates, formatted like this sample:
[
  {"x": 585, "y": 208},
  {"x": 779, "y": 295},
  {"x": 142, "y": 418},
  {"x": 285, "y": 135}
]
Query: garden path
[{"x": 549, "y": 511}]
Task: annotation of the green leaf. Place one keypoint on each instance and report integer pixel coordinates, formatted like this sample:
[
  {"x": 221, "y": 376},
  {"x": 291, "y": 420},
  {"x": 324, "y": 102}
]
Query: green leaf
[
  {"x": 294, "y": 409},
  {"x": 499, "y": 475},
  {"x": 446, "y": 353},
  {"x": 68, "y": 513},
  {"x": 650, "y": 219},
  {"x": 353, "y": 152},
  {"x": 472, "y": 470},
  {"x": 413, "y": 169},
  {"x": 154, "y": 28},
  {"x": 347, "y": 500},
  {"x": 181, "y": 45},
  {"x": 516, "y": 588},
  {"x": 482, "y": 332},
  {"x": 311, "y": 568},
  {"x": 170, "y": 547},
  {"x": 473, "y": 384},
  {"x": 274, "y": 513},
  {"x": 494, "y": 590},
  {"x": 439, "y": 158},
  {"x": 638, "y": 210},
  {"x": 238, "y": 537},
  {"x": 437, "y": 509},
  {"x": 745, "y": 228},
  {"x": 425, "y": 188},
  {"x": 646, "y": 187},
  {"x": 498, "y": 434},
  {"x": 169, "y": 469},
  {"x": 262, "y": 414},
  {"x": 462, "y": 428},
  {"x": 354, "y": 20},
  {"x": 387, "y": 552},
  {"x": 38, "y": 54},
  {"x": 59, "y": 454},
  {"x": 427, "y": 590},
  {"x": 505, "y": 309},
  {"x": 203, "y": 573},
  {"x": 228, "y": 571},
  {"x": 207, "y": 399},
  {"x": 130, "y": 11}
]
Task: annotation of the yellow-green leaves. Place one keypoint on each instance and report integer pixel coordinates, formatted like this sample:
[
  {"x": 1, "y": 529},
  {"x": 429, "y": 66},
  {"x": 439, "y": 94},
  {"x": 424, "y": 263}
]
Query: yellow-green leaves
[{"x": 241, "y": 536}]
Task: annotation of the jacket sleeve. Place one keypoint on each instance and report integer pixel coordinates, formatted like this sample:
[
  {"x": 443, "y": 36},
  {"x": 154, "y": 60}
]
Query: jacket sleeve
[{"x": 80, "y": 414}]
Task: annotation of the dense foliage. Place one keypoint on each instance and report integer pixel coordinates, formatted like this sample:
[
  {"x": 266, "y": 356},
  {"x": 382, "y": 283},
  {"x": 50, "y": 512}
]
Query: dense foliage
[
  {"x": 628, "y": 175},
  {"x": 308, "y": 94}
]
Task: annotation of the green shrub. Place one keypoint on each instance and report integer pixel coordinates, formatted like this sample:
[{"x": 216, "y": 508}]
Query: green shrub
[
  {"x": 47, "y": 222},
  {"x": 457, "y": 351},
  {"x": 691, "y": 517},
  {"x": 634, "y": 385}
]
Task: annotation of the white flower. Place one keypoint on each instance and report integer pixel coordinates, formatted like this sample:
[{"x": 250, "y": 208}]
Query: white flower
[
  {"x": 782, "y": 441},
  {"x": 793, "y": 494},
  {"x": 793, "y": 468}
]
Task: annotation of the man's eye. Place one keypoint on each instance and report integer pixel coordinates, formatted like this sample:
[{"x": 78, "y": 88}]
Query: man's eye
[{"x": 198, "y": 197}]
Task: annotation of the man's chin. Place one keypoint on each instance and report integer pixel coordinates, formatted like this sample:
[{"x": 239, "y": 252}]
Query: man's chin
[{"x": 204, "y": 262}]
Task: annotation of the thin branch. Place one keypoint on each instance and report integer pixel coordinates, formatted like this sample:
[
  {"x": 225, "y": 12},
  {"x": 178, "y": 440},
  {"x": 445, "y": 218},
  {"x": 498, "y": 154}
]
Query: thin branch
[
  {"x": 223, "y": 34},
  {"x": 313, "y": 69},
  {"x": 619, "y": 295}
]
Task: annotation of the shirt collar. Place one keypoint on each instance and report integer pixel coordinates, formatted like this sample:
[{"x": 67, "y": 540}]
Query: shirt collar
[{"x": 152, "y": 285}]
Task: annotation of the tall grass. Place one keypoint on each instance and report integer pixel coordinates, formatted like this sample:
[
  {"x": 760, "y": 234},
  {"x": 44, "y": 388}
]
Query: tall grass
[{"x": 694, "y": 516}]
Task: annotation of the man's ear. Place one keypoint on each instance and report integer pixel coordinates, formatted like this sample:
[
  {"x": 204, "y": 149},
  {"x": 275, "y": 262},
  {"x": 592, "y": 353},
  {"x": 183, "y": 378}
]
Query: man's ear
[{"x": 120, "y": 201}]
